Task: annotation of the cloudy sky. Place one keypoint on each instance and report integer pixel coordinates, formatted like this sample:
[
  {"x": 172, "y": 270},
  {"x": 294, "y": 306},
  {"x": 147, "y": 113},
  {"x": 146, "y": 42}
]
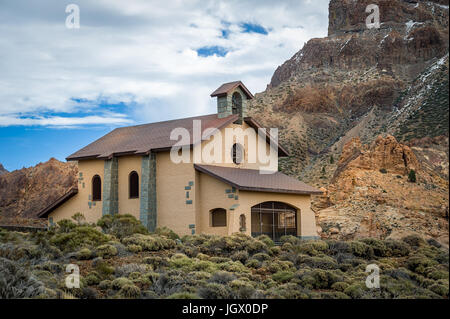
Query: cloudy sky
[{"x": 132, "y": 62}]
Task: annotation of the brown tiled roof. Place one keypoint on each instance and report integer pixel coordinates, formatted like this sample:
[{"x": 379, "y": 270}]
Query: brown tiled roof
[
  {"x": 47, "y": 210},
  {"x": 140, "y": 139},
  {"x": 252, "y": 180},
  {"x": 227, "y": 87}
]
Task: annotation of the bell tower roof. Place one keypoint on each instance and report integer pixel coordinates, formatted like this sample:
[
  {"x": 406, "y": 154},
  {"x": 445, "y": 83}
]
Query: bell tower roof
[{"x": 225, "y": 88}]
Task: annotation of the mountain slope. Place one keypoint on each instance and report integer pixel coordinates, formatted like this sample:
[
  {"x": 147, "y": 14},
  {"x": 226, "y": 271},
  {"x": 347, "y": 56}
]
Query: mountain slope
[
  {"x": 365, "y": 86},
  {"x": 24, "y": 192}
]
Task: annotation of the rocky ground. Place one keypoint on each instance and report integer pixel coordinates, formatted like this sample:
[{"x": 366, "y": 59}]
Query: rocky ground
[{"x": 119, "y": 259}]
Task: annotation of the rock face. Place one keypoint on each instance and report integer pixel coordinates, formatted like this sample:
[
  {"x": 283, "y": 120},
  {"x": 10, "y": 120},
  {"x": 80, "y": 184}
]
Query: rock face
[
  {"x": 24, "y": 192},
  {"x": 384, "y": 154},
  {"x": 411, "y": 33},
  {"x": 371, "y": 196},
  {"x": 2, "y": 170}
]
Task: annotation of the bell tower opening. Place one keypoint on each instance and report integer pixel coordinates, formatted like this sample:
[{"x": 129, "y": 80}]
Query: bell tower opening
[{"x": 232, "y": 99}]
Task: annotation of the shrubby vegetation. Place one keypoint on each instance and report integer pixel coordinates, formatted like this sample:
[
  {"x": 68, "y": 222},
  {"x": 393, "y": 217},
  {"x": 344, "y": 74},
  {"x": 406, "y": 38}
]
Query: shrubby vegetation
[{"x": 118, "y": 258}]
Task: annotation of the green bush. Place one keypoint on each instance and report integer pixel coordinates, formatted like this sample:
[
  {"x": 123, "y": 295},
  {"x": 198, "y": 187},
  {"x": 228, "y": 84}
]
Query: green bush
[
  {"x": 16, "y": 282},
  {"x": 106, "y": 251},
  {"x": 323, "y": 262},
  {"x": 241, "y": 256},
  {"x": 214, "y": 291},
  {"x": 261, "y": 256},
  {"x": 412, "y": 176},
  {"x": 282, "y": 276},
  {"x": 104, "y": 269},
  {"x": 84, "y": 254},
  {"x": 361, "y": 249},
  {"x": 149, "y": 242},
  {"x": 121, "y": 225},
  {"x": 183, "y": 295},
  {"x": 266, "y": 240},
  {"x": 129, "y": 291},
  {"x": 397, "y": 248},
  {"x": 414, "y": 241},
  {"x": 134, "y": 248},
  {"x": 155, "y": 261},
  {"x": 439, "y": 289},
  {"x": 166, "y": 232},
  {"x": 378, "y": 246},
  {"x": 312, "y": 248},
  {"x": 77, "y": 237},
  {"x": 120, "y": 282},
  {"x": 339, "y": 286},
  {"x": 105, "y": 285},
  {"x": 92, "y": 279},
  {"x": 419, "y": 263}
]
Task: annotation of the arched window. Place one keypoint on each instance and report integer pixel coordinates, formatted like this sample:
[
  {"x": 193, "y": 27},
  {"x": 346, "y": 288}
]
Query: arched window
[
  {"x": 96, "y": 188},
  {"x": 242, "y": 223},
  {"x": 133, "y": 185},
  {"x": 218, "y": 217},
  {"x": 236, "y": 106},
  {"x": 237, "y": 153}
]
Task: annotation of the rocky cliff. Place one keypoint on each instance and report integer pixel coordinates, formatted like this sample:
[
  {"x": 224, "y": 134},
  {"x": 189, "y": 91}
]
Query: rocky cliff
[{"x": 24, "y": 192}]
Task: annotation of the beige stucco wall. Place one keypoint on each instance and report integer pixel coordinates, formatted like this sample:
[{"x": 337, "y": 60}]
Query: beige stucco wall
[
  {"x": 219, "y": 139},
  {"x": 306, "y": 223},
  {"x": 213, "y": 195},
  {"x": 80, "y": 202},
  {"x": 171, "y": 180},
  {"x": 126, "y": 165}
]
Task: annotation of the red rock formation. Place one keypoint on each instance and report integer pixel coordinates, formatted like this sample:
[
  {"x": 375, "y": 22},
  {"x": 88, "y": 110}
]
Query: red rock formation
[{"x": 24, "y": 192}]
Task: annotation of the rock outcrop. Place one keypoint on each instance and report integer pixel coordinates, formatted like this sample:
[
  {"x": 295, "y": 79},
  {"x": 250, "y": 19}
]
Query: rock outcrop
[
  {"x": 24, "y": 192},
  {"x": 371, "y": 195},
  {"x": 2, "y": 170}
]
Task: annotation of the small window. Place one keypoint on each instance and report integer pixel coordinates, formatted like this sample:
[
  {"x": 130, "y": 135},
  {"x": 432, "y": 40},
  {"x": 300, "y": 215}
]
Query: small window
[
  {"x": 96, "y": 188},
  {"x": 134, "y": 185},
  {"x": 218, "y": 217},
  {"x": 237, "y": 154}
]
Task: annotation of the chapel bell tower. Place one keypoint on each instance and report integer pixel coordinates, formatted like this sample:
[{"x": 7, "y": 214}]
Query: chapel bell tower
[{"x": 232, "y": 98}]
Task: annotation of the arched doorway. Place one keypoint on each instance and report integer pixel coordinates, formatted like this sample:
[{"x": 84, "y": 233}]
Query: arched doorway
[{"x": 274, "y": 219}]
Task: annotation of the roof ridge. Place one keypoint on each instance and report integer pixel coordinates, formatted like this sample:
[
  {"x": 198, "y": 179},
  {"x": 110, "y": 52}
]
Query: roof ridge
[{"x": 167, "y": 121}]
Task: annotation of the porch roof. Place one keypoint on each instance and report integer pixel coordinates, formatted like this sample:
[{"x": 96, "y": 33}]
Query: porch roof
[{"x": 253, "y": 180}]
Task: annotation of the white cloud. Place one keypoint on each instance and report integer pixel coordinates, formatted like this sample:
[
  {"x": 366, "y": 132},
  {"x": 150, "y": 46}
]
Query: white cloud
[{"x": 142, "y": 52}]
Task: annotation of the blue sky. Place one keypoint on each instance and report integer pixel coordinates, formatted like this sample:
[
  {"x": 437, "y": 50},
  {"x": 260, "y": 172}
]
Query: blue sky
[{"x": 132, "y": 62}]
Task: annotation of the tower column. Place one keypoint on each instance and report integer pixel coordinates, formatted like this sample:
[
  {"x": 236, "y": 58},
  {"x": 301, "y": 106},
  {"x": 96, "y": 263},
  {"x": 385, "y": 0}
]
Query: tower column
[
  {"x": 148, "y": 209},
  {"x": 110, "y": 187}
]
